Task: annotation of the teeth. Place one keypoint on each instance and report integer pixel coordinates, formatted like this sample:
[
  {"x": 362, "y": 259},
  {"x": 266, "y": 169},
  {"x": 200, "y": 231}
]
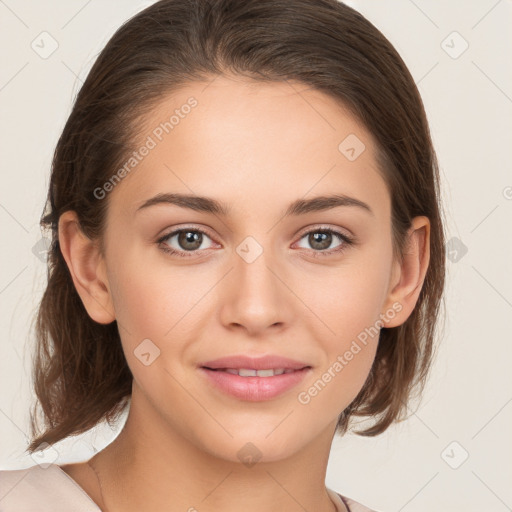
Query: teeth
[{"x": 246, "y": 372}]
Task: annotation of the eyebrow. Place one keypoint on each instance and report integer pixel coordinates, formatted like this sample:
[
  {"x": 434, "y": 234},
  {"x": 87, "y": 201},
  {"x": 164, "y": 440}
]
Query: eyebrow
[{"x": 298, "y": 207}]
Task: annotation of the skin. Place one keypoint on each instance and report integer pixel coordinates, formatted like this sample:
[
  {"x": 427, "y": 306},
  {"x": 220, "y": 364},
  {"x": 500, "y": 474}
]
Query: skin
[{"x": 256, "y": 147}]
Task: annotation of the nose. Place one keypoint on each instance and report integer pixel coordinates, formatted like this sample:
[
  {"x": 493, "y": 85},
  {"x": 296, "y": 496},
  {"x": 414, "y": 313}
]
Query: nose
[{"x": 255, "y": 296}]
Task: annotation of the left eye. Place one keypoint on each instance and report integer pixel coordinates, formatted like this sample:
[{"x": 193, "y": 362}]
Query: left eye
[{"x": 321, "y": 239}]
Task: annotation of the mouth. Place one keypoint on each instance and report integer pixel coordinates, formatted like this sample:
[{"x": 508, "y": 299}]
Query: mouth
[
  {"x": 251, "y": 385},
  {"x": 250, "y": 372}
]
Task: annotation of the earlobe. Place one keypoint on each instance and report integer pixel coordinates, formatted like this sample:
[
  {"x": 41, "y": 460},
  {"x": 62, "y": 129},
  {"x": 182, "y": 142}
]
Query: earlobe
[
  {"x": 85, "y": 265},
  {"x": 411, "y": 272}
]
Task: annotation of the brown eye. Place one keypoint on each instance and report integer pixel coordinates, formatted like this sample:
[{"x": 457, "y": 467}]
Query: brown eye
[
  {"x": 185, "y": 240},
  {"x": 190, "y": 240},
  {"x": 320, "y": 241}
]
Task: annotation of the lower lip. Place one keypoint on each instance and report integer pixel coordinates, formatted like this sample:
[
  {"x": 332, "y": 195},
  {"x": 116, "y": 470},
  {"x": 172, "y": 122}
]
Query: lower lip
[{"x": 254, "y": 389}]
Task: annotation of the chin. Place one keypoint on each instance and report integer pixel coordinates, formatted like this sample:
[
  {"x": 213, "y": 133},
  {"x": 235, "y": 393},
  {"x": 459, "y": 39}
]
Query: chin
[{"x": 255, "y": 444}]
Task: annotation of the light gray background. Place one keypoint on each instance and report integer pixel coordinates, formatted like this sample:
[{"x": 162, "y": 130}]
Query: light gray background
[{"x": 418, "y": 465}]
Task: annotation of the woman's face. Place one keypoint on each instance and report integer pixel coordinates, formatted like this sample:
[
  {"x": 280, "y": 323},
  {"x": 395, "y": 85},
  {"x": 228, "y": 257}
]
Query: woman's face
[{"x": 259, "y": 280}]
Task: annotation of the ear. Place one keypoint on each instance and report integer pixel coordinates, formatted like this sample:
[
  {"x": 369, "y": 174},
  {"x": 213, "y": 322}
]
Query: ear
[
  {"x": 87, "y": 268},
  {"x": 408, "y": 276}
]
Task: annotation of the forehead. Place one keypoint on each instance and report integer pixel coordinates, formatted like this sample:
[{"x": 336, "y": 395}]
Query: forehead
[{"x": 236, "y": 139}]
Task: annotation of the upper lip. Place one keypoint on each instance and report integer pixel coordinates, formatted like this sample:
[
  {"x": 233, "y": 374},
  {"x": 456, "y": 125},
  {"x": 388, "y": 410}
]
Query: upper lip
[{"x": 255, "y": 363}]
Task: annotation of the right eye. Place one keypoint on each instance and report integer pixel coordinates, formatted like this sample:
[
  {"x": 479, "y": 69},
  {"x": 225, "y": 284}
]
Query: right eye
[{"x": 186, "y": 240}]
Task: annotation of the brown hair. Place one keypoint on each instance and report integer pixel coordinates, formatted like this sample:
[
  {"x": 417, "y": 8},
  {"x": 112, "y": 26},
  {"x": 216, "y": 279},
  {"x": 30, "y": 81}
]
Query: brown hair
[{"x": 80, "y": 373}]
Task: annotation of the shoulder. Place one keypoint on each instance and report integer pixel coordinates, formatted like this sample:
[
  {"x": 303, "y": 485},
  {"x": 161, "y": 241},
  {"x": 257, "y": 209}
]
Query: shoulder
[
  {"x": 43, "y": 488},
  {"x": 350, "y": 504}
]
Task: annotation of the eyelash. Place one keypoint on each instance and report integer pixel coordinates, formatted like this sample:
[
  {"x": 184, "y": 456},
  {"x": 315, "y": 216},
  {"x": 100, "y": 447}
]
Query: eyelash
[{"x": 347, "y": 242}]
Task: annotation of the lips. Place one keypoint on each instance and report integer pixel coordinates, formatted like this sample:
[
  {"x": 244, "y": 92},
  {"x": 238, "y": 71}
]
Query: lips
[
  {"x": 254, "y": 379},
  {"x": 249, "y": 372},
  {"x": 269, "y": 362}
]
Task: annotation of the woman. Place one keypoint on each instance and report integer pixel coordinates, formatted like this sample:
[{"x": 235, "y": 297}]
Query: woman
[{"x": 247, "y": 251}]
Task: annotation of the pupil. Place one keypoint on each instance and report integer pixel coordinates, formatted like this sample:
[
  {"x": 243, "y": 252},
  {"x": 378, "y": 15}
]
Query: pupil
[
  {"x": 189, "y": 237},
  {"x": 321, "y": 237}
]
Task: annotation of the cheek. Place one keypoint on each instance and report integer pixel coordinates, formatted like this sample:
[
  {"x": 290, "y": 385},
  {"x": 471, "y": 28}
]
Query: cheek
[
  {"x": 151, "y": 296},
  {"x": 349, "y": 352},
  {"x": 165, "y": 305},
  {"x": 347, "y": 299},
  {"x": 347, "y": 306}
]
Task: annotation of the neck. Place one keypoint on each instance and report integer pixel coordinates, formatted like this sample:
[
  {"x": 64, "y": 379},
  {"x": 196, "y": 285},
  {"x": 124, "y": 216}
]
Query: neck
[{"x": 150, "y": 467}]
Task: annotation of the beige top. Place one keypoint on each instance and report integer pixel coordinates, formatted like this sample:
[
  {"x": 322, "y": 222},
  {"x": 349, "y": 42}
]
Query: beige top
[{"x": 51, "y": 489}]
